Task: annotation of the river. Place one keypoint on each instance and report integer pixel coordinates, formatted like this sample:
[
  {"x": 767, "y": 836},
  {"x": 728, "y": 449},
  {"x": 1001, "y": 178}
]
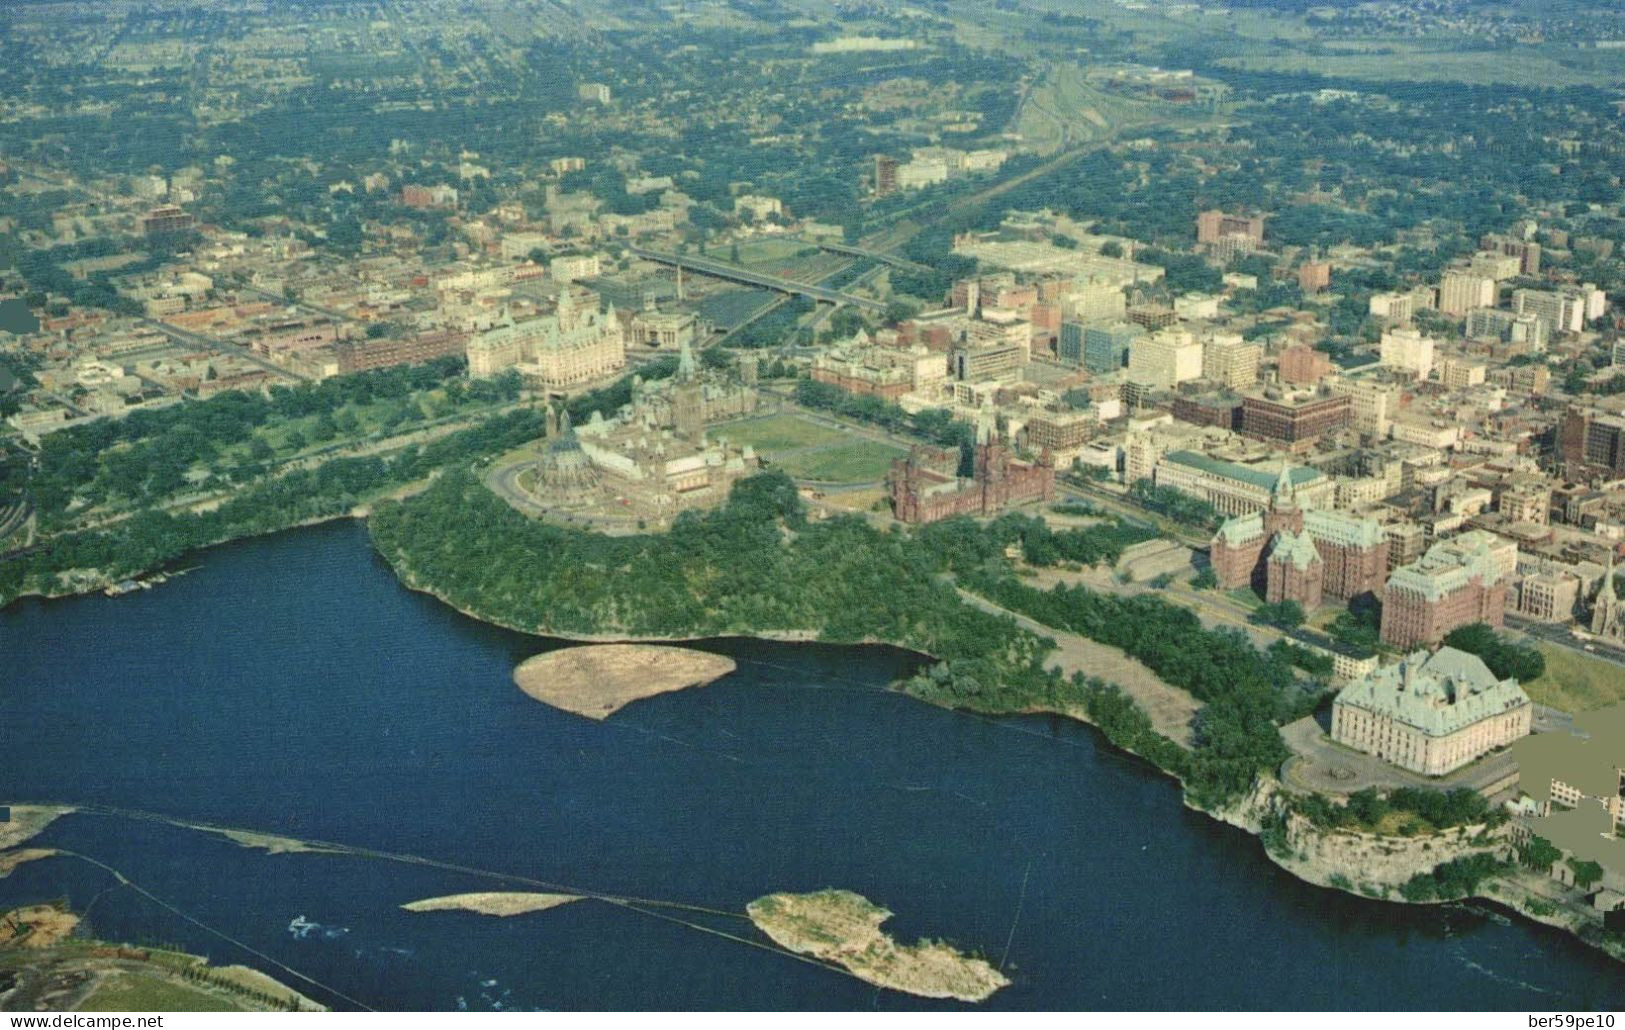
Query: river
[{"x": 291, "y": 686}]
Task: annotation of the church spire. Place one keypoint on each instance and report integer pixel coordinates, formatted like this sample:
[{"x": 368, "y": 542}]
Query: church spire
[
  {"x": 985, "y": 425},
  {"x": 1282, "y": 494},
  {"x": 1607, "y": 612},
  {"x": 685, "y": 362}
]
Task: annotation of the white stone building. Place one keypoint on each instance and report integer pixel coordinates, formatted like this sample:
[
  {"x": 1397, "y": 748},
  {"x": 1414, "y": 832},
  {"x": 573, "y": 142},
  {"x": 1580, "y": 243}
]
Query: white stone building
[{"x": 1431, "y": 714}]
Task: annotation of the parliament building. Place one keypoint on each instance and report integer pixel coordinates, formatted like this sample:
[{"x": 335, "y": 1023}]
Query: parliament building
[{"x": 925, "y": 486}]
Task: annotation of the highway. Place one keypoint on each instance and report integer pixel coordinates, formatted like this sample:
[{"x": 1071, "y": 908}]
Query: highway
[
  {"x": 1558, "y": 633},
  {"x": 734, "y": 273},
  {"x": 866, "y": 252},
  {"x": 1122, "y": 506},
  {"x": 823, "y": 314},
  {"x": 761, "y": 312}
]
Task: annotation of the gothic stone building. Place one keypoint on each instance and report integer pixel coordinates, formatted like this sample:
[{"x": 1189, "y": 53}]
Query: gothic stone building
[
  {"x": 652, "y": 460},
  {"x": 575, "y": 345},
  {"x": 1289, "y": 553},
  {"x": 924, "y": 487}
]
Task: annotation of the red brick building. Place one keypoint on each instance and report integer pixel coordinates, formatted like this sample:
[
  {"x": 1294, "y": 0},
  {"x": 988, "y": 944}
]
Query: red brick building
[
  {"x": 1591, "y": 442},
  {"x": 1452, "y": 585},
  {"x": 877, "y": 384},
  {"x": 166, "y": 220},
  {"x": 1304, "y": 366},
  {"x": 413, "y": 349},
  {"x": 1213, "y": 226},
  {"x": 1314, "y": 276},
  {"x": 1290, "y": 553},
  {"x": 924, "y": 487},
  {"x": 1222, "y": 410},
  {"x": 1294, "y": 421},
  {"x": 1526, "y": 251}
]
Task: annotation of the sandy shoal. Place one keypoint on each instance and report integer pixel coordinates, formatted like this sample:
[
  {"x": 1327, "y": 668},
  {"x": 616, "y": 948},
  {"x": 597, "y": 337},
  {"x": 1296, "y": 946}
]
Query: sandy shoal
[
  {"x": 492, "y": 903},
  {"x": 598, "y": 680}
]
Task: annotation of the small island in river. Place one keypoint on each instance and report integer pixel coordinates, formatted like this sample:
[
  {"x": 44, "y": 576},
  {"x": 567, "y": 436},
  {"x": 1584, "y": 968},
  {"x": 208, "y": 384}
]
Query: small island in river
[
  {"x": 492, "y": 903},
  {"x": 844, "y": 928},
  {"x": 598, "y": 680}
]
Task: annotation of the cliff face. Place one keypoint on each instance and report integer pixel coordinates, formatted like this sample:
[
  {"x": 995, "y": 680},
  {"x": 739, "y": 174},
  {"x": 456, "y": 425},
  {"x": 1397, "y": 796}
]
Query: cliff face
[
  {"x": 1375, "y": 865},
  {"x": 1253, "y": 811}
]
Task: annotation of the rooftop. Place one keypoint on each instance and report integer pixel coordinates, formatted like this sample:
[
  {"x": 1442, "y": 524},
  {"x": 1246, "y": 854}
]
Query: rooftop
[
  {"x": 1447, "y": 567},
  {"x": 1437, "y": 694},
  {"x": 1296, "y": 548},
  {"x": 1264, "y": 480}
]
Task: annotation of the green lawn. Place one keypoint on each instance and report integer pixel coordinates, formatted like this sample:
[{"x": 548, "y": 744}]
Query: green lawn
[
  {"x": 758, "y": 252},
  {"x": 135, "y": 992},
  {"x": 1576, "y": 682},
  {"x": 777, "y": 433},
  {"x": 1245, "y": 597},
  {"x": 861, "y": 461}
]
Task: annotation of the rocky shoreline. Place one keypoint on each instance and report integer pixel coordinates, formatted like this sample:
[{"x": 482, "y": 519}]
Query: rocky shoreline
[
  {"x": 1375, "y": 866},
  {"x": 1329, "y": 854},
  {"x": 1247, "y": 814}
]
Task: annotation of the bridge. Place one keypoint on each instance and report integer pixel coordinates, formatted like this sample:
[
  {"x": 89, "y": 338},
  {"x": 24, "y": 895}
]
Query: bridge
[
  {"x": 734, "y": 273},
  {"x": 866, "y": 252}
]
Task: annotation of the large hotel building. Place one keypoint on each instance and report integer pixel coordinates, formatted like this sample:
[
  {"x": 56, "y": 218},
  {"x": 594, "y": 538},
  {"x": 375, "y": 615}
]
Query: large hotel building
[
  {"x": 1289, "y": 553},
  {"x": 571, "y": 347}
]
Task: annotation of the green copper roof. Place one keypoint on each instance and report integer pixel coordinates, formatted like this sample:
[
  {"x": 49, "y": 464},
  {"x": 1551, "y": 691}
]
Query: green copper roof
[
  {"x": 1243, "y": 528},
  {"x": 1437, "y": 694},
  {"x": 1341, "y": 528},
  {"x": 1245, "y": 473},
  {"x": 1296, "y": 548}
]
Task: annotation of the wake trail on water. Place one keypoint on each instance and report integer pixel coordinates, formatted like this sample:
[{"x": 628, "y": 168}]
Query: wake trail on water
[
  {"x": 1016, "y": 920},
  {"x": 650, "y": 907},
  {"x": 125, "y": 881},
  {"x": 1501, "y": 977}
]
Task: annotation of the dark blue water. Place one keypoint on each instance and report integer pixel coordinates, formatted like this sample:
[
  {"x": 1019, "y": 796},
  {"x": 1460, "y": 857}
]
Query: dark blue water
[
  {"x": 291, "y": 686},
  {"x": 15, "y": 317}
]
